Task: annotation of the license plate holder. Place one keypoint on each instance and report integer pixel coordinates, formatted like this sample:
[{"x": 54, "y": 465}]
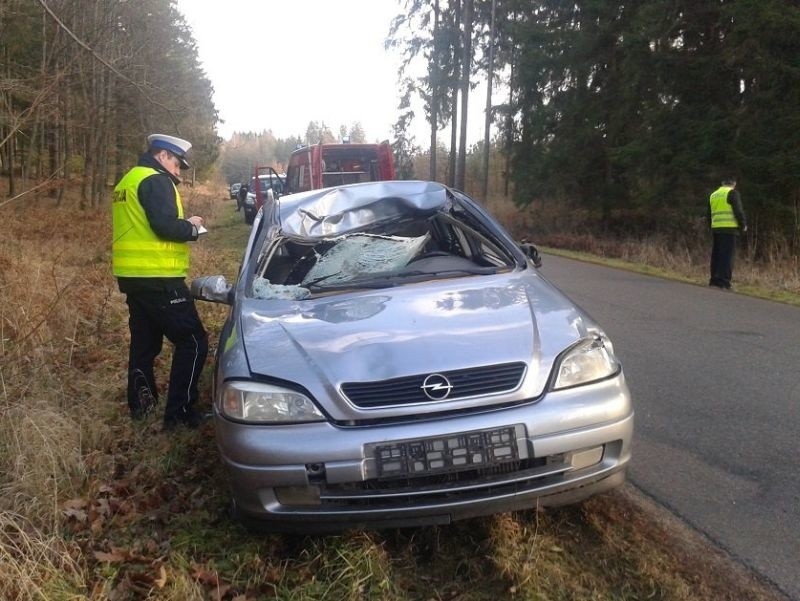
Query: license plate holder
[{"x": 477, "y": 449}]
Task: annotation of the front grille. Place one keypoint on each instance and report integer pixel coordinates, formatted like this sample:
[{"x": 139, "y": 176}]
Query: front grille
[{"x": 466, "y": 383}]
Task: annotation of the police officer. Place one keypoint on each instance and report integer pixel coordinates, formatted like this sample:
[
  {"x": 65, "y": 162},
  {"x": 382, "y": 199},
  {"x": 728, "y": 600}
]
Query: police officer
[
  {"x": 242, "y": 196},
  {"x": 727, "y": 218},
  {"x": 150, "y": 256}
]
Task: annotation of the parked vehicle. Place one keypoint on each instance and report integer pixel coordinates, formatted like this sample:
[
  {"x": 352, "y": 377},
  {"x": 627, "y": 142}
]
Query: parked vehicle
[
  {"x": 234, "y": 190},
  {"x": 393, "y": 358},
  {"x": 265, "y": 179},
  {"x": 324, "y": 165}
]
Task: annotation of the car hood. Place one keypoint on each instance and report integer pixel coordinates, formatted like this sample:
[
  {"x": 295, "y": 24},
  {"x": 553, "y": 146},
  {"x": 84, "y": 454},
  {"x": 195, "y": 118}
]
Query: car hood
[{"x": 414, "y": 329}]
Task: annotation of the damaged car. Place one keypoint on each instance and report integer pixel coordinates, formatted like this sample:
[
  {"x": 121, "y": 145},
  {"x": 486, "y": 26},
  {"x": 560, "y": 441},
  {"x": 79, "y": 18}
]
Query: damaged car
[{"x": 392, "y": 357}]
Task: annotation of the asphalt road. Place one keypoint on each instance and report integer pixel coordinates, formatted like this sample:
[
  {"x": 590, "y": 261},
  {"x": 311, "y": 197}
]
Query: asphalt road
[{"x": 715, "y": 378}]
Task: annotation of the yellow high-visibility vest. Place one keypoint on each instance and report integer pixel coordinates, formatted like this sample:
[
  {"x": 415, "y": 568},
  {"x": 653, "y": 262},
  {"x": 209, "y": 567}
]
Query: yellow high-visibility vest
[
  {"x": 136, "y": 250},
  {"x": 721, "y": 210}
]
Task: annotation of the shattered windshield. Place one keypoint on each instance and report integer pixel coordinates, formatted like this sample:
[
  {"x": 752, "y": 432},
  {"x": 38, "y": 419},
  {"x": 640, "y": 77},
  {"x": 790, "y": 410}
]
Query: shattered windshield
[
  {"x": 345, "y": 239},
  {"x": 346, "y": 259},
  {"x": 359, "y": 255}
]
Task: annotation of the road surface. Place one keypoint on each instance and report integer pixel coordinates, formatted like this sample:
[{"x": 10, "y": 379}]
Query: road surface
[{"x": 715, "y": 378}]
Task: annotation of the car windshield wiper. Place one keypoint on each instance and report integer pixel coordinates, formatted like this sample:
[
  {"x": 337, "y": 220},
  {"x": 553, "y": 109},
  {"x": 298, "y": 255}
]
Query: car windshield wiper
[
  {"x": 318, "y": 280},
  {"x": 363, "y": 283},
  {"x": 387, "y": 280},
  {"x": 477, "y": 270}
]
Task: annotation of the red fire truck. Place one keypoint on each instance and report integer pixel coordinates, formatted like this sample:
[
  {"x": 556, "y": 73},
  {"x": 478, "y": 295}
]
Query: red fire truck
[{"x": 325, "y": 165}]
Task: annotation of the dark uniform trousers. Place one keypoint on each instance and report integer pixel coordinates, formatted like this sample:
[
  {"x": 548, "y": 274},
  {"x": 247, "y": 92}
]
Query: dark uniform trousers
[
  {"x": 154, "y": 315},
  {"x": 723, "y": 250}
]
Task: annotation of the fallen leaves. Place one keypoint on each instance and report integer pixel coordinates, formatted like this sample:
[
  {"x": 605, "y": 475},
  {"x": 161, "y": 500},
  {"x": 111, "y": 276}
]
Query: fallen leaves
[{"x": 119, "y": 555}]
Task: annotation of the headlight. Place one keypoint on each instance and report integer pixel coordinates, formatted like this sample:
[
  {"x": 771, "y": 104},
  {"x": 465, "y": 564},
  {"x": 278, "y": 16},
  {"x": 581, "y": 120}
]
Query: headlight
[
  {"x": 265, "y": 404},
  {"x": 588, "y": 361}
]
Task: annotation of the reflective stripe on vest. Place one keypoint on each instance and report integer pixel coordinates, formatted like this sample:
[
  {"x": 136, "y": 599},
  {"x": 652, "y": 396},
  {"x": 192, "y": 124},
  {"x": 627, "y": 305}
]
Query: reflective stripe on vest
[
  {"x": 721, "y": 210},
  {"x": 136, "y": 250}
]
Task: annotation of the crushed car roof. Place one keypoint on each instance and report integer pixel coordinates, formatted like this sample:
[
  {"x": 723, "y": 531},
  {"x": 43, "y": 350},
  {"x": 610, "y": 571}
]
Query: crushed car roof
[{"x": 331, "y": 212}]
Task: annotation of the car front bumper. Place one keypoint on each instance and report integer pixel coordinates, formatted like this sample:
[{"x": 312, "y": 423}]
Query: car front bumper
[{"x": 316, "y": 477}]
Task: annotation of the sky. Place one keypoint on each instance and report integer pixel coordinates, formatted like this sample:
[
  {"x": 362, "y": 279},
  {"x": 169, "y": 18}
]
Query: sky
[{"x": 278, "y": 65}]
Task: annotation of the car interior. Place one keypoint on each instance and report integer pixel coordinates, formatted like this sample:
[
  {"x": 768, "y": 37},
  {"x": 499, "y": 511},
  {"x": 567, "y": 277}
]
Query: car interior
[
  {"x": 440, "y": 246},
  {"x": 349, "y": 166}
]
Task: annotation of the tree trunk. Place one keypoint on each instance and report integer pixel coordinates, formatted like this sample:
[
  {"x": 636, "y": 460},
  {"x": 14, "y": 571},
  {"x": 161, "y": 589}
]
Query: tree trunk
[
  {"x": 466, "y": 63},
  {"x": 488, "y": 116},
  {"x": 12, "y": 181},
  {"x": 52, "y": 153},
  {"x": 104, "y": 139},
  {"x": 435, "y": 87},
  {"x": 66, "y": 147},
  {"x": 509, "y": 126},
  {"x": 451, "y": 166}
]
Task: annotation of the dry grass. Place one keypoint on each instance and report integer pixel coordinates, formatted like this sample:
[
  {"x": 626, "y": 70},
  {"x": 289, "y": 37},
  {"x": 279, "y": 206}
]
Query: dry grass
[
  {"x": 95, "y": 507},
  {"x": 37, "y": 565},
  {"x": 683, "y": 254}
]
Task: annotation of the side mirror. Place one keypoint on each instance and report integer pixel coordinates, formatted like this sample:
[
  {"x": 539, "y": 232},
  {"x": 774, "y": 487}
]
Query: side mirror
[
  {"x": 532, "y": 253},
  {"x": 212, "y": 288}
]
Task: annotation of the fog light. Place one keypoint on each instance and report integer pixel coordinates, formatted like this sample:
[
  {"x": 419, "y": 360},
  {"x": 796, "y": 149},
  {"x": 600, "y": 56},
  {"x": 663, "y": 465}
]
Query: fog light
[
  {"x": 586, "y": 457},
  {"x": 297, "y": 495}
]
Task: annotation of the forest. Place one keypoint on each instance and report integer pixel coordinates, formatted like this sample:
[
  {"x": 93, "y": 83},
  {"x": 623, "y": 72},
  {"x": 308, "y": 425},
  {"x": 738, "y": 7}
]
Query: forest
[
  {"x": 82, "y": 82},
  {"x": 624, "y": 115},
  {"x": 626, "y": 112}
]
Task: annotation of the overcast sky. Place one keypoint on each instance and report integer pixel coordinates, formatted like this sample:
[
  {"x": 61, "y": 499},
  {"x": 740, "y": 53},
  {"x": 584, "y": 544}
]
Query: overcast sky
[{"x": 280, "y": 64}]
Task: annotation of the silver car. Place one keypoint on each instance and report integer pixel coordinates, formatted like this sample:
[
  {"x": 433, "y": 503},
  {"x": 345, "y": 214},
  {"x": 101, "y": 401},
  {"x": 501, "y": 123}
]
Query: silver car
[{"x": 393, "y": 358}]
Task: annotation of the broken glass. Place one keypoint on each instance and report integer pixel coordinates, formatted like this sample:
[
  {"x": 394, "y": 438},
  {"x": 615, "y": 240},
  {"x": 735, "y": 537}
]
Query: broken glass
[
  {"x": 264, "y": 289},
  {"x": 355, "y": 256}
]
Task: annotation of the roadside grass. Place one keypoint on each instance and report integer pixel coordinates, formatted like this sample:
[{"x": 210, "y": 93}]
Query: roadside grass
[
  {"x": 776, "y": 278},
  {"x": 749, "y": 279},
  {"x": 93, "y": 506}
]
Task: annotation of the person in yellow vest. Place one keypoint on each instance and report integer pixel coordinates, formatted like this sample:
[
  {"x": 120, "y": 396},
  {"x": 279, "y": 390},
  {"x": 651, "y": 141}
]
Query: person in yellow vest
[
  {"x": 727, "y": 218},
  {"x": 150, "y": 258}
]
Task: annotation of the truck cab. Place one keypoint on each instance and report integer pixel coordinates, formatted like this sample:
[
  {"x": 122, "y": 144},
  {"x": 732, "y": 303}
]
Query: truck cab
[{"x": 325, "y": 165}]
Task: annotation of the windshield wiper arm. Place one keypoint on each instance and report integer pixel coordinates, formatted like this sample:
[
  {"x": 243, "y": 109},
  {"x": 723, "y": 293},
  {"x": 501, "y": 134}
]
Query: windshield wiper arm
[
  {"x": 387, "y": 280},
  {"x": 322, "y": 278},
  {"x": 365, "y": 283},
  {"x": 477, "y": 270}
]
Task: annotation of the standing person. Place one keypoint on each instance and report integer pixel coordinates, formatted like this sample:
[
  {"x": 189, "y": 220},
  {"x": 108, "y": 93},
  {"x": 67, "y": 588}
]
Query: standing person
[
  {"x": 727, "y": 218},
  {"x": 242, "y": 196},
  {"x": 150, "y": 256}
]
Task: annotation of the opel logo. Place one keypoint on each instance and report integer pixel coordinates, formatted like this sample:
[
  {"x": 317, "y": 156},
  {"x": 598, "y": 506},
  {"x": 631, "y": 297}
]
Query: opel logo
[{"x": 436, "y": 387}]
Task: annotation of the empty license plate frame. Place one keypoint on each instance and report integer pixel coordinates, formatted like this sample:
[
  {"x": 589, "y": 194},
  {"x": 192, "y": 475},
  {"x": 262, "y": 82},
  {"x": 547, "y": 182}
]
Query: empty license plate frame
[{"x": 476, "y": 449}]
